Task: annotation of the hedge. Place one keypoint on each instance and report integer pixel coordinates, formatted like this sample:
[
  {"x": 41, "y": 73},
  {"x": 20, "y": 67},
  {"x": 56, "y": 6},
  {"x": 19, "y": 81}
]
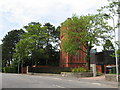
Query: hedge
[{"x": 9, "y": 69}]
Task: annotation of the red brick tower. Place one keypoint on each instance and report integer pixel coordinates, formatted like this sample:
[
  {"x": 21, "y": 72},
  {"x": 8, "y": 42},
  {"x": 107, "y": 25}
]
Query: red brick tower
[{"x": 67, "y": 60}]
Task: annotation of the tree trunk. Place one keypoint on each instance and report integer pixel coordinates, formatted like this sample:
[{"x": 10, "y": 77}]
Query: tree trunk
[
  {"x": 88, "y": 57},
  {"x": 88, "y": 60}
]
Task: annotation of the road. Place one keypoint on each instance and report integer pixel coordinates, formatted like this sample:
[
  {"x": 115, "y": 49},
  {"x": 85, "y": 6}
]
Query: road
[{"x": 32, "y": 81}]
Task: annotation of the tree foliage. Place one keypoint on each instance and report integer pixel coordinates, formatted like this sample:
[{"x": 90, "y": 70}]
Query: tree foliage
[
  {"x": 111, "y": 9},
  {"x": 35, "y": 45},
  {"x": 108, "y": 45},
  {"x": 8, "y": 46},
  {"x": 84, "y": 31}
]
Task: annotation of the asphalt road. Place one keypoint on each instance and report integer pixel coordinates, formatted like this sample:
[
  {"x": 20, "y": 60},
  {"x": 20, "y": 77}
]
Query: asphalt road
[{"x": 32, "y": 81}]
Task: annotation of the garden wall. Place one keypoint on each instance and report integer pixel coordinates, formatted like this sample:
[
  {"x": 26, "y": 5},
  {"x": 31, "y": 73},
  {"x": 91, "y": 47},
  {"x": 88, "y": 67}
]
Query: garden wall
[{"x": 77, "y": 74}]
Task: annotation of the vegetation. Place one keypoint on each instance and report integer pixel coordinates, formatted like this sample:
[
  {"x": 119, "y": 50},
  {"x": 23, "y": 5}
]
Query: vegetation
[
  {"x": 90, "y": 30},
  {"x": 85, "y": 31},
  {"x": 10, "y": 69},
  {"x": 108, "y": 45},
  {"x": 35, "y": 46},
  {"x": 80, "y": 69},
  {"x": 38, "y": 45},
  {"x": 113, "y": 10},
  {"x": 8, "y": 46}
]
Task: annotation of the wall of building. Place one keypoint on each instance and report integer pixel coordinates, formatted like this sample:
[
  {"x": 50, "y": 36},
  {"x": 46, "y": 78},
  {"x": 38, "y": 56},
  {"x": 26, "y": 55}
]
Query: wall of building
[{"x": 67, "y": 60}]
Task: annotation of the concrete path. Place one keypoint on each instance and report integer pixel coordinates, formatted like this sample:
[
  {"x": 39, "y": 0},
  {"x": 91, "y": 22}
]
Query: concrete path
[{"x": 101, "y": 80}]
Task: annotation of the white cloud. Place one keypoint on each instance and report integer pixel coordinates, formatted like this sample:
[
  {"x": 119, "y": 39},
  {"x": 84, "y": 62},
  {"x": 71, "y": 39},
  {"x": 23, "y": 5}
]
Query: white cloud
[
  {"x": 17, "y": 13},
  {"x": 23, "y": 10}
]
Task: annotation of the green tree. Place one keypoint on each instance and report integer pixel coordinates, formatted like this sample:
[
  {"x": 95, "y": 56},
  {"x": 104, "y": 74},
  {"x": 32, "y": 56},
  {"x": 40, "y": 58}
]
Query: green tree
[
  {"x": 52, "y": 32},
  {"x": 108, "y": 45},
  {"x": 8, "y": 46},
  {"x": 111, "y": 9},
  {"x": 53, "y": 55},
  {"x": 118, "y": 52},
  {"x": 54, "y": 35},
  {"x": 35, "y": 45},
  {"x": 51, "y": 48},
  {"x": 32, "y": 44},
  {"x": 84, "y": 31}
]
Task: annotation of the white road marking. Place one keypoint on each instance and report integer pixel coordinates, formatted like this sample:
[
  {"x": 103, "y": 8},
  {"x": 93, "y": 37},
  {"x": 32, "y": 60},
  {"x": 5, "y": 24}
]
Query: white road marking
[
  {"x": 57, "y": 78},
  {"x": 58, "y": 86},
  {"x": 96, "y": 83}
]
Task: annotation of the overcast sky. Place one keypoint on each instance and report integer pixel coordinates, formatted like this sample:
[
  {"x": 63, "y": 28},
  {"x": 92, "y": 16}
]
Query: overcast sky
[{"x": 14, "y": 14}]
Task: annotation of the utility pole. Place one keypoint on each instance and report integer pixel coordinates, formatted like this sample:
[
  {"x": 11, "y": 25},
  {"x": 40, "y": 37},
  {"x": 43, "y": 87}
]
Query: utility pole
[
  {"x": 119, "y": 43},
  {"x": 116, "y": 47},
  {"x": 1, "y": 58},
  {"x": 0, "y": 66},
  {"x": 119, "y": 21}
]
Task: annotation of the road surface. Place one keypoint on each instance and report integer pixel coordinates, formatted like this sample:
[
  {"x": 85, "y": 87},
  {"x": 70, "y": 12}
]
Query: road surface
[{"x": 32, "y": 81}]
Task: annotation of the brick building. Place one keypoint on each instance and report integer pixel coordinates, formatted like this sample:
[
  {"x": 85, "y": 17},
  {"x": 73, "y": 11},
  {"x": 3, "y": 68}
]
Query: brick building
[
  {"x": 67, "y": 60},
  {"x": 104, "y": 59}
]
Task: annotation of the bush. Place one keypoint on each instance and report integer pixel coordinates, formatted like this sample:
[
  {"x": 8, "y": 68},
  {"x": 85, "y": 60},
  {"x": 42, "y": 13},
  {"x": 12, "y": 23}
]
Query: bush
[
  {"x": 9, "y": 69},
  {"x": 80, "y": 69},
  {"x": 99, "y": 73}
]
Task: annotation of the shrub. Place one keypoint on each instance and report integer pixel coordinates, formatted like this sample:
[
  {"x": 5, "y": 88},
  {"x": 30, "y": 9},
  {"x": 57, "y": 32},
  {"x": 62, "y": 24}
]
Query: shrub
[
  {"x": 9, "y": 69},
  {"x": 99, "y": 73},
  {"x": 79, "y": 69}
]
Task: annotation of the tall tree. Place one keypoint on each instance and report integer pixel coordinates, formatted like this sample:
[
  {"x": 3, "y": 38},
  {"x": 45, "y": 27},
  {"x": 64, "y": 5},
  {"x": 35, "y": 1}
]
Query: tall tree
[
  {"x": 8, "y": 46},
  {"x": 32, "y": 43},
  {"x": 84, "y": 31},
  {"x": 112, "y": 10},
  {"x": 52, "y": 44},
  {"x": 35, "y": 46}
]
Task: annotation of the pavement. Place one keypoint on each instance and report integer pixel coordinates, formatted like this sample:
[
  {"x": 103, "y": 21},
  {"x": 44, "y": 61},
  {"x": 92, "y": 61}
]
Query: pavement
[{"x": 100, "y": 80}]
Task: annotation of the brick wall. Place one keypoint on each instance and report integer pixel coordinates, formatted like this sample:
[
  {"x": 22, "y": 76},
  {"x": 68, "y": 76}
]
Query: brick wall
[
  {"x": 67, "y": 60},
  {"x": 24, "y": 70},
  {"x": 100, "y": 69}
]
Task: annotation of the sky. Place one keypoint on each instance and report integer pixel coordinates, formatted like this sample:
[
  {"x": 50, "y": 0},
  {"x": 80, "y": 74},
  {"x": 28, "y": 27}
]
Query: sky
[{"x": 14, "y": 14}]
